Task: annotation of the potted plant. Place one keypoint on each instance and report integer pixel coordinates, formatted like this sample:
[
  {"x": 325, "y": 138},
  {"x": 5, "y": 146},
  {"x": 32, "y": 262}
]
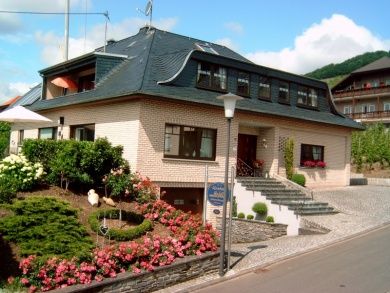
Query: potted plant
[
  {"x": 260, "y": 209},
  {"x": 258, "y": 167}
]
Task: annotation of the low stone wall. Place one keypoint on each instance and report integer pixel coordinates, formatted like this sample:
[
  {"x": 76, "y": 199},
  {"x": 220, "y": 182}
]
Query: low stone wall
[
  {"x": 245, "y": 231},
  {"x": 379, "y": 181},
  {"x": 181, "y": 270}
]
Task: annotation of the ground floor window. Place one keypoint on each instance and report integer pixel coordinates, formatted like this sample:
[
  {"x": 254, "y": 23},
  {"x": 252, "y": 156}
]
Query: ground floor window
[
  {"x": 83, "y": 132},
  {"x": 185, "y": 199},
  {"x": 311, "y": 152},
  {"x": 46, "y": 133},
  {"x": 189, "y": 142}
]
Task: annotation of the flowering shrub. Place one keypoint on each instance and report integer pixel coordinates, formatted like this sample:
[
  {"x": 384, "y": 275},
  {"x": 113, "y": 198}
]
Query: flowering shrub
[
  {"x": 122, "y": 183},
  {"x": 18, "y": 168},
  {"x": 190, "y": 238},
  {"x": 258, "y": 163},
  {"x": 321, "y": 164}
]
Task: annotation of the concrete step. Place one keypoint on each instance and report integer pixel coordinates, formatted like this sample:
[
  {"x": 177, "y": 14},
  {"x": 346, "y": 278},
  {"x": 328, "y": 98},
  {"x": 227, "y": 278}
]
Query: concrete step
[
  {"x": 287, "y": 198},
  {"x": 316, "y": 213},
  {"x": 306, "y": 203}
]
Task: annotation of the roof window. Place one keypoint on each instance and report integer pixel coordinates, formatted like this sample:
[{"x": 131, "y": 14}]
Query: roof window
[{"x": 205, "y": 47}]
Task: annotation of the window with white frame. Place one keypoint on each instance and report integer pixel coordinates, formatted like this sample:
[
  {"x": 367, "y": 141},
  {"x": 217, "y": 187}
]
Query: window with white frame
[
  {"x": 47, "y": 133},
  {"x": 386, "y": 107},
  {"x": 368, "y": 108},
  {"x": 347, "y": 109}
]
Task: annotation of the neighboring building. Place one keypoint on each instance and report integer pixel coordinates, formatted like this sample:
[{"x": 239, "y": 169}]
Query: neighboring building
[
  {"x": 9, "y": 103},
  {"x": 155, "y": 94},
  {"x": 364, "y": 95}
]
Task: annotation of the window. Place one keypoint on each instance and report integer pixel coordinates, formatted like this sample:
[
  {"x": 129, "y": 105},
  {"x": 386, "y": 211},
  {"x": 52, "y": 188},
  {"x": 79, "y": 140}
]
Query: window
[
  {"x": 386, "y": 107},
  {"x": 368, "y": 108},
  {"x": 347, "y": 110},
  {"x": 47, "y": 133},
  {"x": 284, "y": 95},
  {"x": 211, "y": 76},
  {"x": 83, "y": 132},
  {"x": 206, "y": 48},
  {"x": 264, "y": 88},
  {"x": 311, "y": 153},
  {"x": 307, "y": 96},
  {"x": 20, "y": 136},
  {"x": 86, "y": 83},
  {"x": 189, "y": 142},
  {"x": 243, "y": 83}
]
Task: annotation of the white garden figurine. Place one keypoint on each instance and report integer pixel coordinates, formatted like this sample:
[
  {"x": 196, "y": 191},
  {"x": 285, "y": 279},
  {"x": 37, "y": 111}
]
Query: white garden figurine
[
  {"x": 109, "y": 201},
  {"x": 93, "y": 197}
]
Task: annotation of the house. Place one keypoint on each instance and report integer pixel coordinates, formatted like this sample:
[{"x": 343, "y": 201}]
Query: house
[
  {"x": 364, "y": 95},
  {"x": 155, "y": 94},
  {"x": 9, "y": 103}
]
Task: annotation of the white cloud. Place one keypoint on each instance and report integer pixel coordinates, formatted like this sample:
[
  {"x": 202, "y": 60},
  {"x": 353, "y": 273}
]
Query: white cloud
[
  {"x": 235, "y": 27},
  {"x": 9, "y": 23},
  {"x": 227, "y": 42},
  {"x": 52, "y": 51},
  {"x": 11, "y": 90},
  {"x": 333, "y": 40}
]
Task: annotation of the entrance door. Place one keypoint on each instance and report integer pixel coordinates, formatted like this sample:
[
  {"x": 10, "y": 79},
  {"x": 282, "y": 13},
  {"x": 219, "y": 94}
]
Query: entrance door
[{"x": 246, "y": 151}]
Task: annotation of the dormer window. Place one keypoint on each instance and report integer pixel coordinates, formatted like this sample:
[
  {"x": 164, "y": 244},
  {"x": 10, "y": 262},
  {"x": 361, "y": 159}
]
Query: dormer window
[
  {"x": 211, "y": 76},
  {"x": 284, "y": 92},
  {"x": 86, "y": 83},
  {"x": 307, "y": 97},
  {"x": 243, "y": 83},
  {"x": 205, "y": 47}
]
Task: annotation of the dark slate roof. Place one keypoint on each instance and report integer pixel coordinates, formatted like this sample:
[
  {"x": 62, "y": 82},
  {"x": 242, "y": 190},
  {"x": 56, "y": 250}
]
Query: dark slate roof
[
  {"x": 382, "y": 63},
  {"x": 30, "y": 97},
  {"x": 155, "y": 57}
]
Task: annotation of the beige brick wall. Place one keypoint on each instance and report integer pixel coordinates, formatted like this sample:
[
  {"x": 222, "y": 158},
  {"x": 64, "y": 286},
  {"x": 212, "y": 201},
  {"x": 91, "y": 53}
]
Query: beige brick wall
[
  {"x": 119, "y": 122},
  {"x": 144, "y": 141}
]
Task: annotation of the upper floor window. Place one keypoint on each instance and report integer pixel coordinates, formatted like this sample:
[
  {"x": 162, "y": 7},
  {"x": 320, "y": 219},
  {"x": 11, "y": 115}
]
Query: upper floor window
[
  {"x": 386, "y": 107},
  {"x": 47, "y": 133},
  {"x": 211, "y": 76},
  {"x": 243, "y": 83},
  {"x": 284, "y": 92},
  {"x": 347, "y": 110},
  {"x": 206, "y": 48},
  {"x": 86, "y": 83},
  {"x": 189, "y": 142},
  {"x": 307, "y": 96},
  {"x": 83, "y": 132},
  {"x": 368, "y": 108},
  {"x": 264, "y": 88}
]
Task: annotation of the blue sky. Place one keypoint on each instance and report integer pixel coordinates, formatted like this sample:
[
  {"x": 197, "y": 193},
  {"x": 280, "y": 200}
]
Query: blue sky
[{"x": 296, "y": 36}]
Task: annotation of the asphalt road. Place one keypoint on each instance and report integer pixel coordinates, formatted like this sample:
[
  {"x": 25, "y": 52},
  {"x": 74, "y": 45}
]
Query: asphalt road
[{"x": 358, "y": 265}]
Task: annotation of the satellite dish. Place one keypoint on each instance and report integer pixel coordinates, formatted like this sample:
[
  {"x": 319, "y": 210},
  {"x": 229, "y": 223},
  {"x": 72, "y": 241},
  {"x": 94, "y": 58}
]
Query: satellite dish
[{"x": 148, "y": 8}]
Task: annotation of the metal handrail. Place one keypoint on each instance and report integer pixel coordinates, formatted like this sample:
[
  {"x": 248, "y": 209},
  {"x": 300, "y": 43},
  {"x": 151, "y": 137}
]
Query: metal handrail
[{"x": 243, "y": 169}]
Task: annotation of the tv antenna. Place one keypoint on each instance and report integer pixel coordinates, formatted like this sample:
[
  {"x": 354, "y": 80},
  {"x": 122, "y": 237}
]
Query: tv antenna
[{"x": 148, "y": 11}]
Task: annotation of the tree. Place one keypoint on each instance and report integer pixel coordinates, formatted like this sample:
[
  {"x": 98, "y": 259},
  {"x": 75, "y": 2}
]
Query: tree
[{"x": 5, "y": 131}]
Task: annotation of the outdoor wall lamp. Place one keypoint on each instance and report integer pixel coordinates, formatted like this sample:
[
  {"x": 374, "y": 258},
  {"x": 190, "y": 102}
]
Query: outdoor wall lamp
[{"x": 229, "y": 102}]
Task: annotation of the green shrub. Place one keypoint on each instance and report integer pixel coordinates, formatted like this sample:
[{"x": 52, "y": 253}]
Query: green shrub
[
  {"x": 299, "y": 179},
  {"x": 5, "y": 131},
  {"x": 46, "y": 227},
  {"x": 8, "y": 189},
  {"x": 120, "y": 234},
  {"x": 250, "y": 217},
  {"x": 289, "y": 158},
  {"x": 260, "y": 208},
  {"x": 234, "y": 211},
  {"x": 241, "y": 215},
  {"x": 269, "y": 219},
  {"x": 19, "y": 170},
  {"x": 41, "y": 150}
]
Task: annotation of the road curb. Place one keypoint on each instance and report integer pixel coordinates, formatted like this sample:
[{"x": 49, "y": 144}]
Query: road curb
[{"x": 282, "y": 259}]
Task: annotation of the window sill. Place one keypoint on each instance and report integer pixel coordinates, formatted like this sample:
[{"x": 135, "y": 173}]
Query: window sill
[
  {"x": 211, "y": 89},
  {"x": 265, "y": 99},
  {"x": 284, "y": 102},
  {"x": 307, "y": 107},
  {"x": 190, "y": 161}
]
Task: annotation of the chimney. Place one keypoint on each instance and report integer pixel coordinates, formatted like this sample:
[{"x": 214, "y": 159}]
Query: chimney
[{"x": 111, "y": 41}]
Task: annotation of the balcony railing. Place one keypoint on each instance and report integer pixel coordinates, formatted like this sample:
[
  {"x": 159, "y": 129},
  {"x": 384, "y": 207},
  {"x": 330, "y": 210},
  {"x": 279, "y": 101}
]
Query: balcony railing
[
  {"x": 370, "y": 115},
  {"x": 361, "y": 92}
]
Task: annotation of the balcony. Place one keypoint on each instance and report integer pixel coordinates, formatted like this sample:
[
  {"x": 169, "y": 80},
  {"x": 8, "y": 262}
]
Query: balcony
[
  {"x": 369, "y": 115},
  {"x": 373, "y": 91}
]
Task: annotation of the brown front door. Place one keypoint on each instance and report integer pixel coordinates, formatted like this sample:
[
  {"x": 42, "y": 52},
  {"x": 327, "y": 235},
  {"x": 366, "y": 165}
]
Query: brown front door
[{"x": 246, "y": 149}]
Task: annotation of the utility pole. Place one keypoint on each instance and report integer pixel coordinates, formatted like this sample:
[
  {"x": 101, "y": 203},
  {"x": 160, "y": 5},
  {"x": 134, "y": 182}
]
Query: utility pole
[{"x": 66, "y": 55}]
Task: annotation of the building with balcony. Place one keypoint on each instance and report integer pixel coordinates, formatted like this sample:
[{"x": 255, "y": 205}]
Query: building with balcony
[{"x": 364, "y": 95}]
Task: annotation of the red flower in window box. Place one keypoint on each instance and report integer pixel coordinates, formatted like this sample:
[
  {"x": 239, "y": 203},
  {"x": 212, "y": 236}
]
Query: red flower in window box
[
  {"x": 309, "y": 164},
  {"x": 321, "y": 164}
]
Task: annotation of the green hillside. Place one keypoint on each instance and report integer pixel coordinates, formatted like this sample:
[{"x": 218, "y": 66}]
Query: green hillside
[{"x": 346, "y": 67}]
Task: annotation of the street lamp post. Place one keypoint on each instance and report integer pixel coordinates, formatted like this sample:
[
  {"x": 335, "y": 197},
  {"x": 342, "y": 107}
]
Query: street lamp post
[{"x": 229, "y": 101}]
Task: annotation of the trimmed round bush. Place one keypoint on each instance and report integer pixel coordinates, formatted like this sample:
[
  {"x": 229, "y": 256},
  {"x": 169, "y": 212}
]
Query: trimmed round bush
[
  {"x": 299, "y": 179},
  {"x": 144, "y": 225},
  {"x": 260, "y": 208},
  {"x": 269, "y": 219},
  {"x": 250, "y": 217},
  {"x": 241, "y": 216}
]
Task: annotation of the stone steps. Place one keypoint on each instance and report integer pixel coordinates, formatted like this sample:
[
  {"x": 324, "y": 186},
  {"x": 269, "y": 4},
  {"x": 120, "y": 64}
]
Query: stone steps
[{"x": 294, "y": 199}]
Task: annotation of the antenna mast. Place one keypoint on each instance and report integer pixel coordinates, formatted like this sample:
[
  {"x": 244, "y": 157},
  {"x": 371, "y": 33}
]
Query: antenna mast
[{"x": 66, "y": 31}]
